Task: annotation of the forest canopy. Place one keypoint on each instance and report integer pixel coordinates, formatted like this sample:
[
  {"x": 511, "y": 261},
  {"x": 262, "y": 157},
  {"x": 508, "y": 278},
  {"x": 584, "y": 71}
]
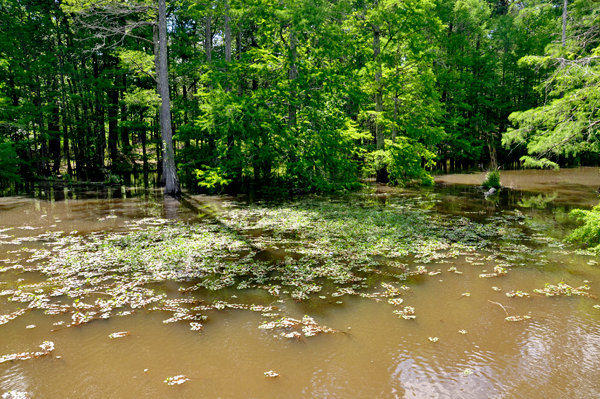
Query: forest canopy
[{"x": 308, "y": 95}]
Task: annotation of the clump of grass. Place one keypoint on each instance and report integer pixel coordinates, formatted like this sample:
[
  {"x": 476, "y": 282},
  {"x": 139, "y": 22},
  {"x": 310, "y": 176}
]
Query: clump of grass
[{"x": 492, "y": 179}]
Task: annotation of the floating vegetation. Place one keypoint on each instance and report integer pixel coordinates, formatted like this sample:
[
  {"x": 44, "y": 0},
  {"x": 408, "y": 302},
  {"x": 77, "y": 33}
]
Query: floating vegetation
[
  {"x": 395, "y": 301},
  {"x": 8, "y": 317},
  {"x": 176, "y": 380},
  {"x": 562, "y": 289},
  {"x": 302, "y": 247},
  {"x": 518, "y": 294},
  {"x": 47, "y": 348},
  {"x": 467, "y": 372},
  {"x": 433, "y": 339},
  {"x": 510, "y": 318},
  {"x": 517, "y": 318},
  {"x": 271, "y": 374},
  {"x": 498, "y": 271},
  {"x": 15, "y": 395},
  {"x": 407, "y": 313},
  {"x": 119, "y": 334},
  {"x": 296, "y": 328}
]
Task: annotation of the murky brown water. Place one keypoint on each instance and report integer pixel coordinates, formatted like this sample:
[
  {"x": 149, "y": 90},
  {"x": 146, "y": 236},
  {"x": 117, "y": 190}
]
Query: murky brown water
[{"x": 556, "y": 354}]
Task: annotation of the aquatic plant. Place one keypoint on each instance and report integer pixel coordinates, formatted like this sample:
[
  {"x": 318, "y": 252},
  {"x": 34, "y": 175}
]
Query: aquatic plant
[
  {"x": 518, "y": 294},
  {"x": 119, "y": 334},
  {"x": 46, "y": 348},
  {"x": 563, "y": 289},
  {"x": 498, "y": 271},
  {"x": 8, "y": 317},
  {"x": 492, "y": 179},
  {"x": 517, "y": 318},
  {"x": 407, "y": 313},
  {"x": 290, "y": 251},
  {"x": 308, "y": 326},
  {"x": 15, "y": 395},
  {"x": 176, "y": 380}
]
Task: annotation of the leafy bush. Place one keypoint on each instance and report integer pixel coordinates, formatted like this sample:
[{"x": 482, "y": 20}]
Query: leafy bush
[
  {"x": 589, "y": 233},
  {"x": 492, "y": 179},
  {"x": 403, "y": 161}
]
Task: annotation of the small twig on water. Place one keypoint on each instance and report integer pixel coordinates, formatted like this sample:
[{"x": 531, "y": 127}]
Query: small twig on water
[{"x": 499, "y": 304}]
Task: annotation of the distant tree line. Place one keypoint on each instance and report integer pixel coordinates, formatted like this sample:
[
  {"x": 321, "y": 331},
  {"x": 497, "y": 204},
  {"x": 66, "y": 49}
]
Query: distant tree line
[{"x": 301, "y": 95}]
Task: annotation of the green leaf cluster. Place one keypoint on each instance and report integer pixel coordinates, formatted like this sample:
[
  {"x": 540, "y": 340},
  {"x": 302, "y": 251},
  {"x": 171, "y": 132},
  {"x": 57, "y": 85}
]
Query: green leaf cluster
[{"x": 589, "y": 233}]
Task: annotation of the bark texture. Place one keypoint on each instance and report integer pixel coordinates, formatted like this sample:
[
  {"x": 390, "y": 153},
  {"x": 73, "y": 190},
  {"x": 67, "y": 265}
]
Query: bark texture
[{"x": 170, "y": 174}]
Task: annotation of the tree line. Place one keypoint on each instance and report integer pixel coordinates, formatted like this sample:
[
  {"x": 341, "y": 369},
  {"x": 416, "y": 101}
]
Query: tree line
[{"x": 270, "y": 96}]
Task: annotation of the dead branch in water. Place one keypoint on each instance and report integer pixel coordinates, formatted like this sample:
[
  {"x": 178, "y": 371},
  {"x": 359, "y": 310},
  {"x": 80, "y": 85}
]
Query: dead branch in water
[{"x": 499, "y": 304}]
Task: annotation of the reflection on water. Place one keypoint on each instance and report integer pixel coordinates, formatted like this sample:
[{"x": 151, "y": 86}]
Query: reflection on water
[
  {"x": 573, "y": 187},
  {"x": 555, "y": 354}
]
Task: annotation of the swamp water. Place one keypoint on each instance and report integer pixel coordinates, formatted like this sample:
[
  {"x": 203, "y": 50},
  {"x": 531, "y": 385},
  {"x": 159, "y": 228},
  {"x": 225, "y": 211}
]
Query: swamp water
[{"x": 235, "y": 284}]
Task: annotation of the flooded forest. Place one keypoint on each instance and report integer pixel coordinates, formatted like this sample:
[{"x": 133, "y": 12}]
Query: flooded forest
[{"x": 299, "y": 199}]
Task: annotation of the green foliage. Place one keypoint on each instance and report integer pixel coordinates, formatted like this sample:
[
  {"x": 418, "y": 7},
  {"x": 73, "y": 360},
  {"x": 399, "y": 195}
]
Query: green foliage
[
  {"x": 139, "y": 62},
  {"x": 403, "y": 161},
  {"x": 589, "y": 233},
  {"x": 211, "y": 178},
  {"x": 109, "y": 178},
  {"x": 544, "y": 163},
  {"x": 492, "y": 179},
  {"x": 9, "y": 163},
  {"x": 568, "y": 122},
  {"x": 142, "y": 98},
  {"x": 307, "y": 101}
]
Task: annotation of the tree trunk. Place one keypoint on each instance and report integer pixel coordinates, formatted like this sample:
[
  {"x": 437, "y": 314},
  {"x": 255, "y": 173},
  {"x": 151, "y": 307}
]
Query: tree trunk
[
  {"x": 143, "y": 139},
  {"x": 113, "y": 115},
  {"x": 564, "y": 24},
  {"x": 170, "y": 174},
  {"x": 379, "y": 138},
  {"x": 125, "y": 146},
  {"x": 293, "y": 74},
  {"x": 382, "y": 175},
  {"x": 208, "y": 38},
  {"x": 394, "y": 127},
  {"x": 239, "y": 58},
  {"x": 227, "y": 33},
  {"x": 54, "y": 139},
  {"x": 227, "y": 42},
  {"x": 99, "y": 120}
]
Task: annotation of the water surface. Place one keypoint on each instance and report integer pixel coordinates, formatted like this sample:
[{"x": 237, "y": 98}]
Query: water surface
[{"x": 556, "y": 353}]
